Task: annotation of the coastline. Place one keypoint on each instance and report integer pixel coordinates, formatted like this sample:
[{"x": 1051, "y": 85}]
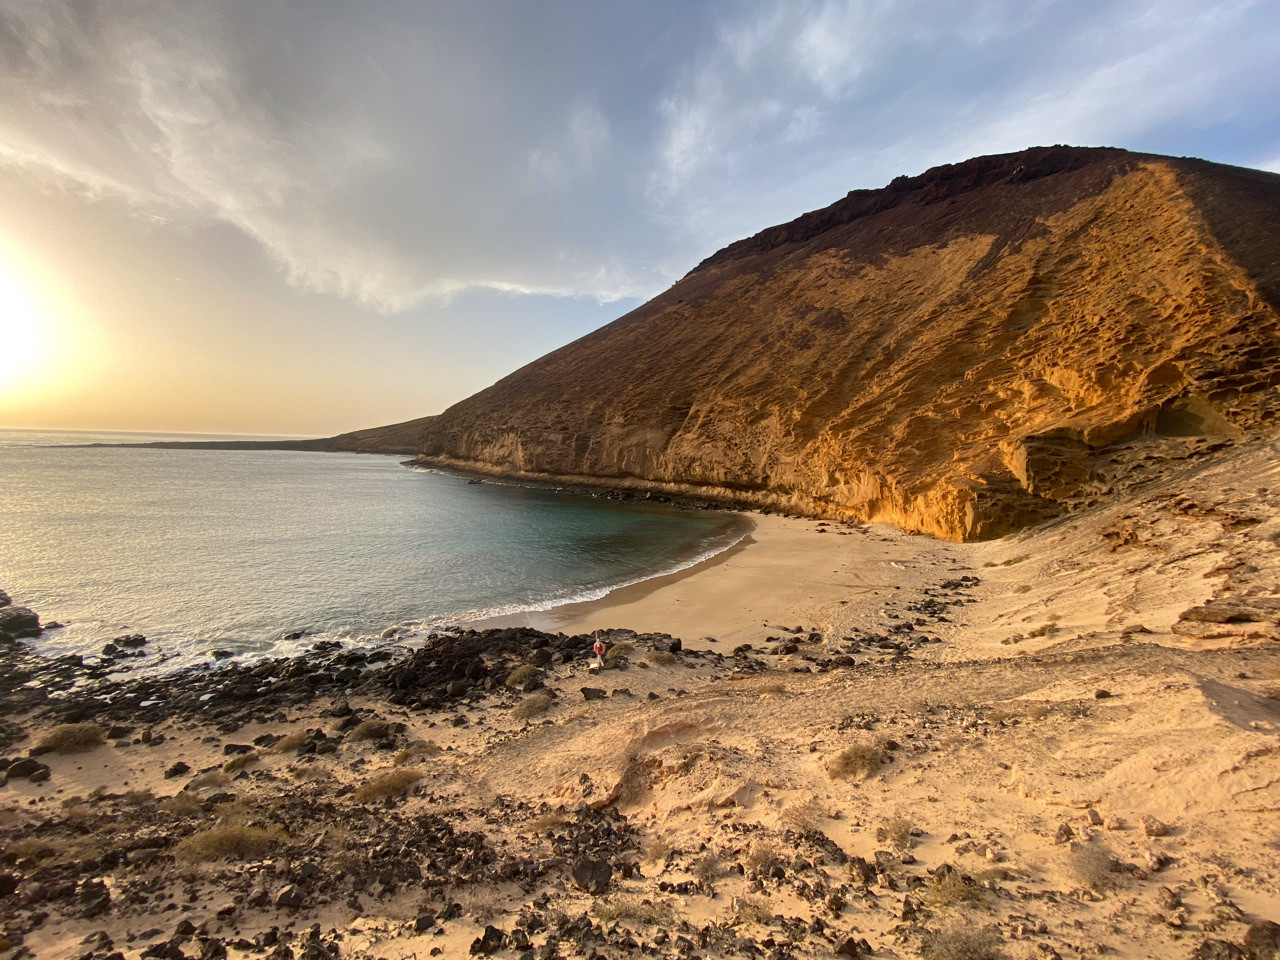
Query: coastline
[{"x": 822, "y": 575}]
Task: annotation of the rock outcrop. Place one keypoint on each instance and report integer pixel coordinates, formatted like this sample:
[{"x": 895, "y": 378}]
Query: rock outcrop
[{"x": 962, "y": 353}]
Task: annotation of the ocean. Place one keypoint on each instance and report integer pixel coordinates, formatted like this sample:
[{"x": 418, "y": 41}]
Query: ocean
[{"x": 203, "y": 550}]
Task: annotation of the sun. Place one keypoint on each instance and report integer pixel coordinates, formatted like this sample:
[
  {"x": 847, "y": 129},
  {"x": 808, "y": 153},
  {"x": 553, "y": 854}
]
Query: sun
[{"x": 25, "y": 333}]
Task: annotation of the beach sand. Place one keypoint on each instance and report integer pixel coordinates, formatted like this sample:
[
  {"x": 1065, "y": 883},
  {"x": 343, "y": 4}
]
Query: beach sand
[{"x": 786, "y": 573}]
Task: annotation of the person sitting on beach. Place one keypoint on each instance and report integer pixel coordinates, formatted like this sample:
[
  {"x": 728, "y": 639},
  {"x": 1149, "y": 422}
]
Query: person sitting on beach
[{"x": 599, "y": 649}]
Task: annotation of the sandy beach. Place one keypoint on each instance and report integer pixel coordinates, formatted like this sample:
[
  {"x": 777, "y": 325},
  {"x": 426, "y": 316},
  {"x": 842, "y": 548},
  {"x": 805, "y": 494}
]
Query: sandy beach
[{"x": 787, "y": 572}]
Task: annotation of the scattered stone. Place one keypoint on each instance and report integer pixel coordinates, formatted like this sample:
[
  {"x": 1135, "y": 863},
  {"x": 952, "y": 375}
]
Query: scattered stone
[
  {"x": 177, "y": 770},
  {"x": 290, "y": 897},
  {"x": 592, "y": 693},
  {"x": 1064, "y": 834},
  {"x": 1154, "y": 828},
  {"x": 1094, "y": 817}
]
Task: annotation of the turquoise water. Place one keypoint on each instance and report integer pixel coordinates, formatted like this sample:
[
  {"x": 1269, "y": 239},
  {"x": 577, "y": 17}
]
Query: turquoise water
[{"x": 205, "y": 549}]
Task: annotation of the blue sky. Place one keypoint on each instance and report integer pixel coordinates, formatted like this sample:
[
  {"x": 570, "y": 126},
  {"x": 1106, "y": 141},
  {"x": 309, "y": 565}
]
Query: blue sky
[{"x": 308, "y": 217}]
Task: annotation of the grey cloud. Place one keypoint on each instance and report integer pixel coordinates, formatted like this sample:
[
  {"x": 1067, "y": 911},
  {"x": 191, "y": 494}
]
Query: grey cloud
[{"x": 402, "y": 154}]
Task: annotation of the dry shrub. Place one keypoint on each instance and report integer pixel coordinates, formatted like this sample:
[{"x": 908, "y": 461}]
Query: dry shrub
[
  {"x": 1043, "y": 630},
  {"x": 804, "y": 816},
  {"x": 521, "y": 675},
  {"x": 773, "y": 689},
  {"x": 418, "y": 748},
  {"x": 480, "y": 905},
  {"x": 951, "y": 888},
  {"x": 661, "y": 914},
  {"x": 546, "y": 822},
  {"x": 1096, "y": 867},
  {"x": 619, "y": 652},
  {"x": 707, "y": 868},
  {"x": 534, "y": 705},
  {"x": 1022, "y": 588},
  {"x": 858, "y": 761},
  {"x": 370, "y": 730},
  {"x": 138, "y": 798},
  {"x": 761, "y": 857},
  {"x": 897, "y": 831},
  {"x": 389, "y": 784},
  {"x": 72, "y": 738},
  {"x": 662, "y": 658},
  {"x": 207, "y": 781},
  {"x": 229, "y": 840},
  {"x": 32, "y": 848},
  {"x": 236, "y": 764},
  {"x": 658, "y": 848},
  {"x": 291, "y": 741},
  {"x": 182, "y": 805},
  {"x": 961, "y": 943},
  {"x": 751, "y": 910}
]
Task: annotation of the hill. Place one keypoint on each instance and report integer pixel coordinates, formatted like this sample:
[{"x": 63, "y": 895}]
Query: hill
[{"x": 962, "y": 353}]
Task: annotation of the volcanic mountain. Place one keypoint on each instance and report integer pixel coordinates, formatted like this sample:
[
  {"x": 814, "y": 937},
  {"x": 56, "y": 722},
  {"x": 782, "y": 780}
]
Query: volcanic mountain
[{"x": 962, "y": 353}]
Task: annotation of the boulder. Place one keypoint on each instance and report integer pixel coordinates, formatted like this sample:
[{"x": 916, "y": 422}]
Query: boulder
[
  {"x": 592, "y": 876},
  {"x": 1262, "y": 940},
  {"x": 18, "y": 623}
]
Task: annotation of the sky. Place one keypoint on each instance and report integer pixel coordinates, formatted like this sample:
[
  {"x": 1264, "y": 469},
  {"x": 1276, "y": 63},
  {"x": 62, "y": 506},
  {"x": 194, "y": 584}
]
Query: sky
[{"x": 301, "y": 218}]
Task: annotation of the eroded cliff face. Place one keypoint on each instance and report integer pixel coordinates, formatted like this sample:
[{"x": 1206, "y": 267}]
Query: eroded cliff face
[{"x": 962, "y": 353}]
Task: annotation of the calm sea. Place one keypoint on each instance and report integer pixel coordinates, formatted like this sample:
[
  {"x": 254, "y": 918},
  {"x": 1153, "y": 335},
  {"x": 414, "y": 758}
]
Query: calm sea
[{"x": 211, "y": 549}]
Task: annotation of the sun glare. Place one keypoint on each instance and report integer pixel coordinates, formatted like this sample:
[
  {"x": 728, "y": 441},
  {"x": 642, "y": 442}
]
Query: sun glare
[{"x": 24, "y": 333}]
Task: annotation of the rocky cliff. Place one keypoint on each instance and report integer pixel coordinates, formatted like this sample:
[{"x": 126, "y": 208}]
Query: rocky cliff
[{"x": 962, "y": 353}]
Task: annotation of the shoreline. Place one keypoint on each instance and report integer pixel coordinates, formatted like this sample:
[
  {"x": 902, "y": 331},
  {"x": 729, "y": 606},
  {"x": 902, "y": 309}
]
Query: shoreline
[{"x": 788, "y": 571}]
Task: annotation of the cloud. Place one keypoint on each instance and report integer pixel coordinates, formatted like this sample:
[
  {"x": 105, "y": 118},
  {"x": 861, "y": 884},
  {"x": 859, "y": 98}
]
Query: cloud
[{"x": 395, "y": 155}]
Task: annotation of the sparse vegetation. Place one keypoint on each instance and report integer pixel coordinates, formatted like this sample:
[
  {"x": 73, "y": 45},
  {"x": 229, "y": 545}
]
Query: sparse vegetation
[
  {"x": 416, "y": 749},
  {"x": 948, "y": 888},
  {"x": 371, "y": 729},
  {"x": 522, "y": 675},
  {"x": 707, "y": 868},
  {"x": 547, "y": 822},
  {"x": 961, "y": 943},
  {"x": 72, "y": 738},
  {"x": 804, "y": 816},
  {"x": 658, "y": 848},
  {"x": 761, "y": 857},
  {"x": 207, "y": 780},
  {"x": 534, "y": 705},
  {"x": 229, "y": 841},
  {"x": 389, "y": 784},
  {"x": 291, "y": 741},
  {"x": 182, "y": 805},
  {"x": 898, "y": 832},
  {"x": 751, "y": 910},
  {"x": 619, "y": 652},
  {"x": 239, "y": 763},
  {"x": 661, "y": 658},
  {"x": 661, "y": 913},
  {"x": 1043, "y": 630},
  {"x": 772, "y": 689},
  {"x": 858, "y": 760},
  {"x": 1022, "y": 588},
  {"x": 32, "y": 848},
  {"x": 1095, "y": 866}
]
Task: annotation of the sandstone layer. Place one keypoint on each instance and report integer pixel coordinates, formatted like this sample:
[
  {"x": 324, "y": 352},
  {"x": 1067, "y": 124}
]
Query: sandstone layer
[{"x": 962, "y": 353}]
